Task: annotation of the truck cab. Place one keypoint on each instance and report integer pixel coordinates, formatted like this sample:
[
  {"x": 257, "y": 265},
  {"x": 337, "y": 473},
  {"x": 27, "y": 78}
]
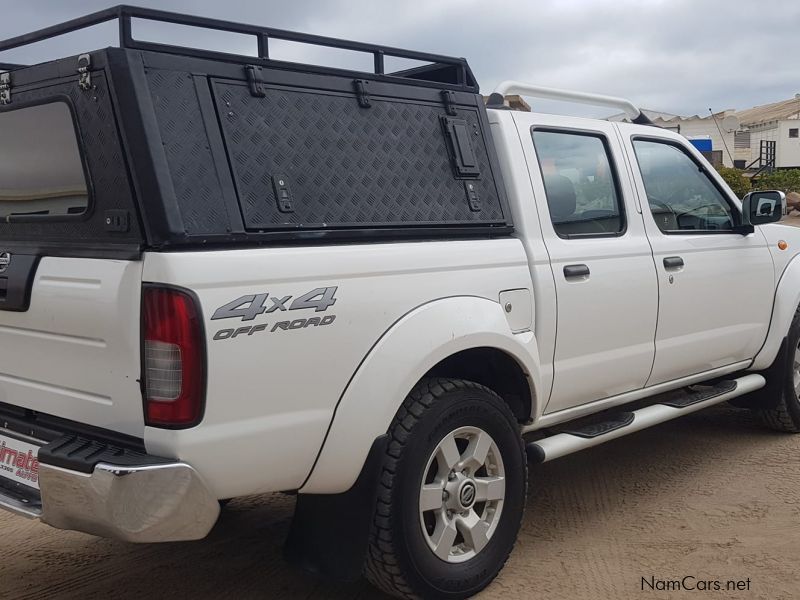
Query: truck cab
[{"x": 633, "y": 218}]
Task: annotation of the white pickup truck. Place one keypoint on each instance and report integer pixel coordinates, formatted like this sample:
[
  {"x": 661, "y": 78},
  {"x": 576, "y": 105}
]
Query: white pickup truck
[{"x": 226, "y": 275}]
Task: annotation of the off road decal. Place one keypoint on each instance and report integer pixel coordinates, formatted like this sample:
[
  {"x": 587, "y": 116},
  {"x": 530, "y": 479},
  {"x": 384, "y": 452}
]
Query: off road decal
[{"x": 250, "y": 306}]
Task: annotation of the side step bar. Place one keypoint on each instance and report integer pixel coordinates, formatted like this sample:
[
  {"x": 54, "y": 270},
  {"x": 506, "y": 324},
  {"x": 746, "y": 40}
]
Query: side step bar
[{"x": 666, "y": 407}]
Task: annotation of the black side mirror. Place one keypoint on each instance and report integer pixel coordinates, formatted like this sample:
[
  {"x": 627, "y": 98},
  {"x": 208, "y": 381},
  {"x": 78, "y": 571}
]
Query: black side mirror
[{"x": 759, "y": 208}]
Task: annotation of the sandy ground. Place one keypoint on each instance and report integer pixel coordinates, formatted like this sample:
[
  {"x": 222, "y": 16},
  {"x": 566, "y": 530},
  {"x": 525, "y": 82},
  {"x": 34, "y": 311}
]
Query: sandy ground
[{"x": 712, "y": 496}]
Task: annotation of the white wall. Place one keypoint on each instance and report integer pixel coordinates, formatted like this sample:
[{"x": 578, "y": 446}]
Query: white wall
[
  {"x": 706, "y": 128},
  {"x": 768, "y": 131},
  {"x": 788, "y": 149}
]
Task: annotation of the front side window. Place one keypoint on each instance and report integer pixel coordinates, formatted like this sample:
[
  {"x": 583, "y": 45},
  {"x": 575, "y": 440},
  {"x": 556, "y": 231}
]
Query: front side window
[
  {"x": 582, "y": 192},
  {"x": 41, "y": 173},
  {"x": 793, "y": 132},
  {"x": 680, "y": 194}
]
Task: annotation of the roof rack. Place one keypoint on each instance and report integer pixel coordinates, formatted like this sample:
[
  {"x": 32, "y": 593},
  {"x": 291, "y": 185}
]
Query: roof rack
[
  {"x": 445, "y": 70},
  {"x": 632, "y": 111}
]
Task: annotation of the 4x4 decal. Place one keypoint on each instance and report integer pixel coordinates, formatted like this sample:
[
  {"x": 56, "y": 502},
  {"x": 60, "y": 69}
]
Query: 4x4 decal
[{"x": 250, "y": 306}]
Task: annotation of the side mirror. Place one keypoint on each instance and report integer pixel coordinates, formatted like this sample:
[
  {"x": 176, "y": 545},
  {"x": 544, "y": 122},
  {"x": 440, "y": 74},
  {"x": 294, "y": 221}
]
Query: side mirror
[{"x": 759, "y": 208}]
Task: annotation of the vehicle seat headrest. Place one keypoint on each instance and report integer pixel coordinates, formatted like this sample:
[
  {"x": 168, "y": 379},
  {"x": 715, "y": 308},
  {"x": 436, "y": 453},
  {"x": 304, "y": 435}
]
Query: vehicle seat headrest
[{"x": 560, "y": 196}]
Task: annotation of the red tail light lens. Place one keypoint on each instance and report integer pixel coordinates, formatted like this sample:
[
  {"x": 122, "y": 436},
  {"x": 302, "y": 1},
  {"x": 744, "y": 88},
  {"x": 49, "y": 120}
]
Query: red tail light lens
[{"x": 173, "y": 354}]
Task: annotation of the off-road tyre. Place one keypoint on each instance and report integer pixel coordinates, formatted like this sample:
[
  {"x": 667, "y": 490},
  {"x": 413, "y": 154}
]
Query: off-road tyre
[
  {"x": 400, "y": 561},
  {"x": 781, "y": 410}
]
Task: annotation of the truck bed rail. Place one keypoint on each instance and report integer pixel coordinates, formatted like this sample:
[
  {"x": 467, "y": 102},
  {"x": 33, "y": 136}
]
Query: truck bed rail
[{"x": 446, "y": 70}]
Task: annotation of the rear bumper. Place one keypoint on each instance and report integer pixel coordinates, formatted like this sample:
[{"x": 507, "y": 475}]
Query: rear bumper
[{"x": 147, "y": 503}]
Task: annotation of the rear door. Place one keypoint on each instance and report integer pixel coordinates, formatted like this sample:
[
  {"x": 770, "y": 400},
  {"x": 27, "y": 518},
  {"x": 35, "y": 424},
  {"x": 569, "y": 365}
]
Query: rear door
[
  {"x": 602, "y": 263},
  {"x": 69, "y": 317},
  {"x": 716, "y": 285}
]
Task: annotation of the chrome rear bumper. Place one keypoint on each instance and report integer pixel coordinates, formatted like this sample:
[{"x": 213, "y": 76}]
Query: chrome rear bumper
[{"x": 152, "y": 503}]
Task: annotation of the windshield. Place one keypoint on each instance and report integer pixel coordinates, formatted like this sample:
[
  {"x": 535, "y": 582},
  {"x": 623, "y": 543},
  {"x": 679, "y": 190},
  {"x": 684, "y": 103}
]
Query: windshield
[{"x": 41, "y": 173}]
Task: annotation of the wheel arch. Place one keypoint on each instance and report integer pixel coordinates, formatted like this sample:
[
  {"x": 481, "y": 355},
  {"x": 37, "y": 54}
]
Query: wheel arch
[
  {"x": 445, "y": 336},
  {"x": 497, "y": 370}
]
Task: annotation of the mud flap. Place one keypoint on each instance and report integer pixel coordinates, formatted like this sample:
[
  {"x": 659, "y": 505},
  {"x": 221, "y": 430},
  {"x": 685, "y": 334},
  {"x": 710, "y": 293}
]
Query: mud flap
[
  {"x": 769, "y": 396},
  {"x": 329, "y": 535}
]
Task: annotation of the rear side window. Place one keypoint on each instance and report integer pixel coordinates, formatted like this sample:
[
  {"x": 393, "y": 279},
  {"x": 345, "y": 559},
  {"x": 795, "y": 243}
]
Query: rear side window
[
  {"x": 680, "y": 194},
  {"x": 41, "y": 171},
  {"x": 581, "y": 188}
]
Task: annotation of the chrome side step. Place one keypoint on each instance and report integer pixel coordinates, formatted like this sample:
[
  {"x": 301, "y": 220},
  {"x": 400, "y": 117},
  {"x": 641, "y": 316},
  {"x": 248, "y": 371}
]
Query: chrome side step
[
  {"x": 601, "y": 427},
  {"x": 22, "y": 503},
  {"x": 666, "y": 407}
]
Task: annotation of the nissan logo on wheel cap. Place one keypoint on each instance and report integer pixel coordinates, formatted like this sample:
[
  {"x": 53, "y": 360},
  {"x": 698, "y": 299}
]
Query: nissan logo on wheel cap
[
  {"x": 467, "y": 495},
  {"x": 5, "y": 260}
]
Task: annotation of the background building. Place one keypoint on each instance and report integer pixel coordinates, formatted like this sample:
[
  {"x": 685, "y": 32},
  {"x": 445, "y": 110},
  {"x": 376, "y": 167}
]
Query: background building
[
  {"x": 713, "y": 135},
  {"x": 773, "y": 134}
]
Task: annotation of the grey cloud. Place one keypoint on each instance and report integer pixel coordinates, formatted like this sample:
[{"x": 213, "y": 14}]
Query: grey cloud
[{"x": 678, "y": 56}]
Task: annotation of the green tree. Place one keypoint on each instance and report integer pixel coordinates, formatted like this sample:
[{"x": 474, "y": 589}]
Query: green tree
[
  {"x": 736, "y": 180},
  {"x": 785, "y": 180}
]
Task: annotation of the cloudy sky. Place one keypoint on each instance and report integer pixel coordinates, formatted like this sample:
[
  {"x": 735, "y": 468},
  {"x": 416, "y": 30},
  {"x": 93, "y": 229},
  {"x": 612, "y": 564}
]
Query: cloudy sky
[{"x": 678, "y": 56}]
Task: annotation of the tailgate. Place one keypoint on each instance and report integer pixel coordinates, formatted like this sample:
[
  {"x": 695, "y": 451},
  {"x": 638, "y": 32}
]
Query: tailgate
[{"x": 74, "y": 353}]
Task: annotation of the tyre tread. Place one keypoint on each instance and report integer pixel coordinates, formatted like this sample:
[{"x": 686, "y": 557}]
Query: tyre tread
[
  {"x": 783, "y": 417},
  {"x": 382, "y": 567},
  {"x": 779, "y": 418}
]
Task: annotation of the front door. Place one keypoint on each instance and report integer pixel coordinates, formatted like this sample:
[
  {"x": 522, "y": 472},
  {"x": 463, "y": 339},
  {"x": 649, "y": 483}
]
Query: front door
[
  {"x": 716, "y": 285},
  {"x": 601, "y": 261}
]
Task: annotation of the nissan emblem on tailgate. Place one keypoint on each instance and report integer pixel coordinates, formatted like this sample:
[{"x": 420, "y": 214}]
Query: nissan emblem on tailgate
[{"x": 5, "y": 260}]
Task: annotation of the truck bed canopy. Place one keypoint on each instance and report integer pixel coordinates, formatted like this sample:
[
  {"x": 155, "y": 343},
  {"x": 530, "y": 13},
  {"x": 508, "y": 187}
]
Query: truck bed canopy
[{"x": 188, "y": 146}]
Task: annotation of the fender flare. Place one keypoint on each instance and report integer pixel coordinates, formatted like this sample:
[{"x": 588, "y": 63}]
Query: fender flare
[
  {"x": 787, "y": 299},
  {"x": 398, "y": 360}
]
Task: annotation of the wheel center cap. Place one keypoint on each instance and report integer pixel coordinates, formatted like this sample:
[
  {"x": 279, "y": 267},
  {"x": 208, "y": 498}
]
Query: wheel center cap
[{"x": 467, "y": 493}]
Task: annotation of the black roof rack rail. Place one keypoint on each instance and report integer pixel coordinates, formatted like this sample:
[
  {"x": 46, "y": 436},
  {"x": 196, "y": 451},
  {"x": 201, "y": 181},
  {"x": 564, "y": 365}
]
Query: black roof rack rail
[{"x": 446, "y": 70}]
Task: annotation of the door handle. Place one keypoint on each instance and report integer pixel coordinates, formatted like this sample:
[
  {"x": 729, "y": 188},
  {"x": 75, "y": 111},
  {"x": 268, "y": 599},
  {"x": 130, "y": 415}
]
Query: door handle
[
  {"x": 673, "y": 262},
  {"x": 576, "y": 271}
]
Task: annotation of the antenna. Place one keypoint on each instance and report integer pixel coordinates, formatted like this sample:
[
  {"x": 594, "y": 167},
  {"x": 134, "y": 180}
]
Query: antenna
[{"x": 724, "y": 143}]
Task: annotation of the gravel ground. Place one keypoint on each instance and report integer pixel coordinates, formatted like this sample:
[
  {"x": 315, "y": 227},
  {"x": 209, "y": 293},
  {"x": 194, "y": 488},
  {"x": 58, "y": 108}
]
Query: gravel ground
[{"x": 712, "y": 496}]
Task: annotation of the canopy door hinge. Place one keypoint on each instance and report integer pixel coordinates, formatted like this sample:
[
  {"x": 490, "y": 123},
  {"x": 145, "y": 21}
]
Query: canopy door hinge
[
  {"x": 362, "y": 93},
  {"x": 5, "y": 88},
  {"x": 254, "y": 81},
  {"x": 84, "y": 76},
  {"x": 449, "y": 99}
]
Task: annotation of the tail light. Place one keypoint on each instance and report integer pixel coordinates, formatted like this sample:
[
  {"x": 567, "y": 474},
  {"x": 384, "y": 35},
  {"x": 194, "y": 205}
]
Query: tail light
[{"x": 173, "y": 354}]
